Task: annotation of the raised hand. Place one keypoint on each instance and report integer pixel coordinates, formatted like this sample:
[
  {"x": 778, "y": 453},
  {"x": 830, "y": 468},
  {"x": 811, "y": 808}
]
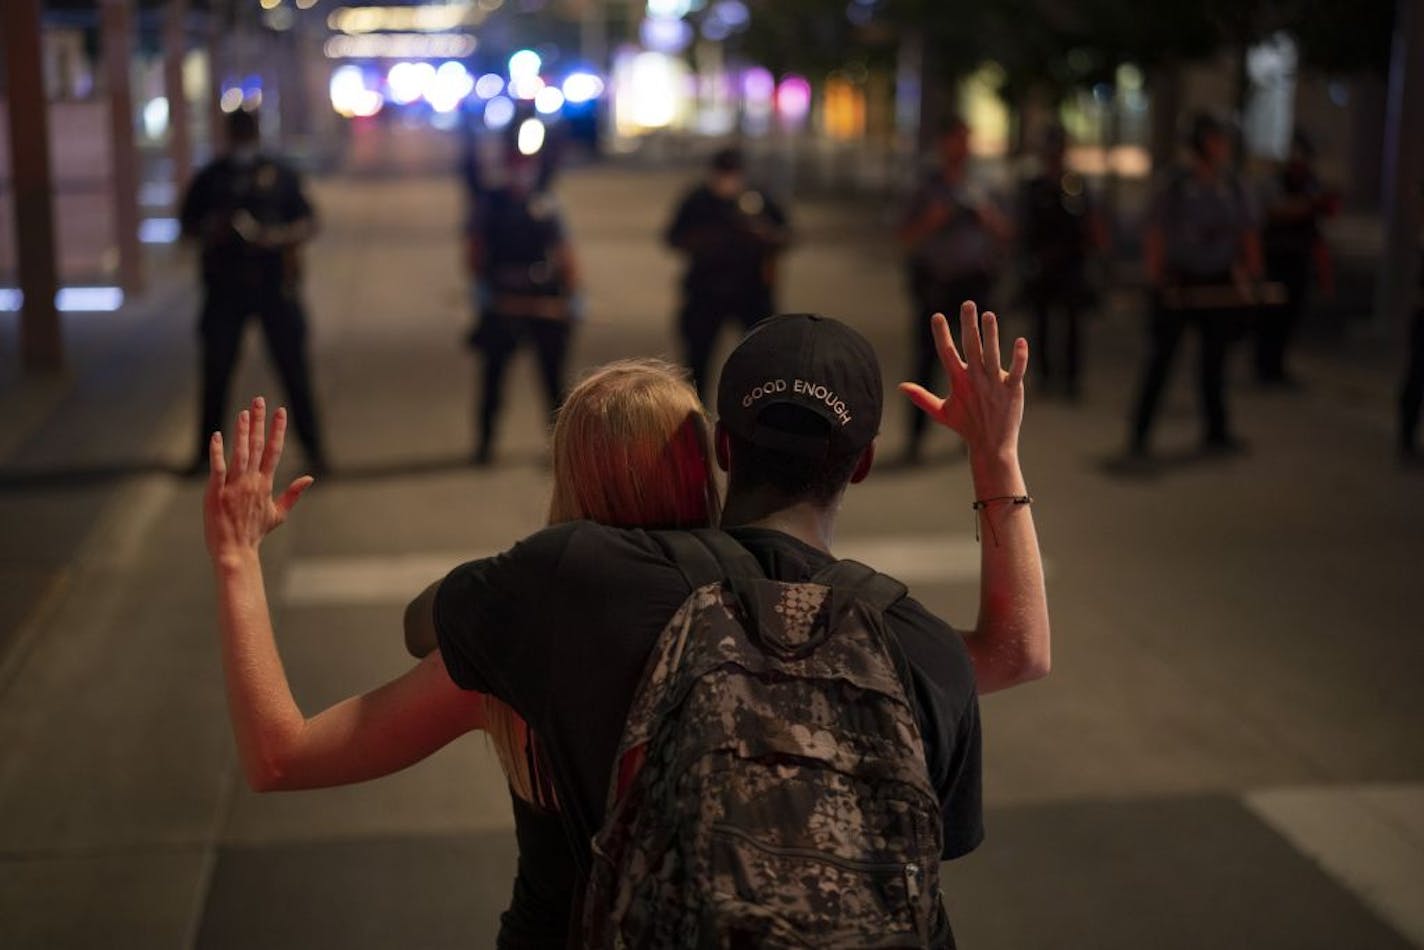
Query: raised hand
[
  {"x": 238, "y": 507},
  {"x": 985, "y": 402}
]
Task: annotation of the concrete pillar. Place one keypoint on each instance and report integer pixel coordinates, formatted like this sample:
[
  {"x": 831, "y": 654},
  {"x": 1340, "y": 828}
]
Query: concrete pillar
[
  {"x": 175, "y": 50},
  {"x": 117, "y": 42},
  {"x": 1402, "y": 177},
  {"x": 41, "y": 343}
]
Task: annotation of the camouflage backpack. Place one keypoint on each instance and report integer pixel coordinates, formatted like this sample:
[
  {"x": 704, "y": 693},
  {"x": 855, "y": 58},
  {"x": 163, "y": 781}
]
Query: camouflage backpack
[{"x": 770, "y": 788}]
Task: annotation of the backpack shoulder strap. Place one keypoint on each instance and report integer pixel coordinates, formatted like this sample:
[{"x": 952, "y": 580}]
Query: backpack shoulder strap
[
  {"x": 707, "y": 556},
  {"x": 879, "y": 591},
  {"x": 735, "y": 560},
  {"x": 850, "y": 581},
  {"x": 691, "y": 557}
]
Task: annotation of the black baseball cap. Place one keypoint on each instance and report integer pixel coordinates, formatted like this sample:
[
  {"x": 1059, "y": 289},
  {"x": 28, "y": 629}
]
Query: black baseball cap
[{"x": 805, "y": 360}]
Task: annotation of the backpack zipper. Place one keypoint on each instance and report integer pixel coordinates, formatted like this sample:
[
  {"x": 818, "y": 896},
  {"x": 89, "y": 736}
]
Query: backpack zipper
[
  {"x": 912, "y": 889},
  {"x": 849, "y": 864}
]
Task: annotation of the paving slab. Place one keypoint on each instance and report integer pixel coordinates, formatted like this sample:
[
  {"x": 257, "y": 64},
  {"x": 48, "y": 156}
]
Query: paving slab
[
  {"x": 114, "y": 729},
  {"x": 332, "y": 653},
  {"x": 373, "y": 894},
  {"x": 1171, "y": 873},
  {"x": 1369, "y": 836},
  {"x": 134, "y": 900}
]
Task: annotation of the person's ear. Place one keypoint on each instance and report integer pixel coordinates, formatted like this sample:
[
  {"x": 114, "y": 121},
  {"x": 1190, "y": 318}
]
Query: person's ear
[
  {"x": 723, "y": 448},
  {"x": 862, "y": 467}
]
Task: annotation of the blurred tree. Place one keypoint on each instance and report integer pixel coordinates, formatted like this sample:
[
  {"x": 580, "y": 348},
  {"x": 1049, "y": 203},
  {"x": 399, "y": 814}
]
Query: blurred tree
[
  {"x": 1344, "y": 36},
  {"x": 1047, "y": 48},
  {"x": 813, "y": 37}
]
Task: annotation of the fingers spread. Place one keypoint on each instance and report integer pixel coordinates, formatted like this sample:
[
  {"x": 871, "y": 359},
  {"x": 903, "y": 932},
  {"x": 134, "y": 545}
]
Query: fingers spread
[
  {"x": 944, "y": 344},
  {"x": 1019, "y": 365},
  {"x": 969, "y": 333},
  {"x": 258, "y": 433},
  {"x": 217, "y": 465},
  {"x": 993, "y": 363},
  {"x": 924, "y": 399},
  {"x": 240, "y": 444},
  {"x": 273, "y": 455},
  {"x": 289, "y": 498}
]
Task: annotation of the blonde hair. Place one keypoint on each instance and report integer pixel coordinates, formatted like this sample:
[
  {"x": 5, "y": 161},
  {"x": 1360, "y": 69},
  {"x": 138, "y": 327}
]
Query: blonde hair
[{"x": 632, "y": 447}]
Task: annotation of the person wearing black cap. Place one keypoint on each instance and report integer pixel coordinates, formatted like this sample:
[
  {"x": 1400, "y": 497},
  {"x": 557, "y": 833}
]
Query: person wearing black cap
[
  {"x": 560, "y": 626},
  {"x": 248, "y": 213},
  {"x": 1059, "y": 230},
  {"x": 732, "y": 236},
  {"x": 1202, "y": 256}
]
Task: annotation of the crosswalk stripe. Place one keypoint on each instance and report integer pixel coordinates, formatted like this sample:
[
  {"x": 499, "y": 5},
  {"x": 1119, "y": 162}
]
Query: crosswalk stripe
[
  {"x": 381, "y": 579},
  {"x": 1369, "y": 838}
]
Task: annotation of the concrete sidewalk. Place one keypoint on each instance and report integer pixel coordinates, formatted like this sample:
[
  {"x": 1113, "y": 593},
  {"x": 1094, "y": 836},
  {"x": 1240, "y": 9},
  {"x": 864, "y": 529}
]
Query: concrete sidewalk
[{"x": 1226, "y": 754}]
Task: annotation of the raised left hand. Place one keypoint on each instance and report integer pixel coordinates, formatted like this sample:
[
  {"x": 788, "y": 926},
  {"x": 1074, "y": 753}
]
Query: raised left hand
[
  {"x": 238, "y": 507},
  {"x": 985, "y": 402}
]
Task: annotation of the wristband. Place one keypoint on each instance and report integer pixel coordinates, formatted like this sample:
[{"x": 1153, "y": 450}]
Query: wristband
[{"x": 982, "y": 503}]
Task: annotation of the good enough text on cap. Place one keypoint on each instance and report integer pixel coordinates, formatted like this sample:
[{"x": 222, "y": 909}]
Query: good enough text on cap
[{"x": 816, "y": 392}]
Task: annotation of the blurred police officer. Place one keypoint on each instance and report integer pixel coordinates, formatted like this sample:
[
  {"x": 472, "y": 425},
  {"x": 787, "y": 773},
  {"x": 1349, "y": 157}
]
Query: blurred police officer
[
  {"x": 1202, "y": 254},
  {"x": 953, "y": 234},
  {"x": 247, "y": 211},
  {"x": 1296, "y": 204},
  {"x": 1411, "y": 393},
  {"x": 525, "y": 287},
  {"x": 732, "y": 236},
  {"x": 1059, "y": 230}
]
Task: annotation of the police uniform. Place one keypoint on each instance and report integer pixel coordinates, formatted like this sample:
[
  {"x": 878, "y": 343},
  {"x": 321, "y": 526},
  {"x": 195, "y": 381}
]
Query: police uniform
[
  {"x": 731, "y": 244},
  {"x": 1411, "y": 393},
  {"x": 953, "y": 264},
  {"x": 231, "y": 207},
  {"x": 1289, "y": 244},
  {"x": 1054, "y": 218},
  {"x": 522, "y": 297},
  {"x": 1203, "y": 224}
]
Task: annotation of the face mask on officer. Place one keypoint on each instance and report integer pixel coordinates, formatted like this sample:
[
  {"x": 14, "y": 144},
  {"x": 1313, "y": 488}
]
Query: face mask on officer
[
  {"x": 244, "y": 154},
  {"x": 523, "y": 176},
  {"x": 727, "y": 184}
]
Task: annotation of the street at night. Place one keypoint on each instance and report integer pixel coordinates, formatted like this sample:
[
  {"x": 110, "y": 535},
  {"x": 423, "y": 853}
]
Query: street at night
[
  {"x": 419, "y": 225},
  {"x": 1226, "y": 753}
]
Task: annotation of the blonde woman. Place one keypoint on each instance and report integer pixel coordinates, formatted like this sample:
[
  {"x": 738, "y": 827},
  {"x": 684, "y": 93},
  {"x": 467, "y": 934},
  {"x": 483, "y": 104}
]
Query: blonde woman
[{"x": 631, "y": 448}]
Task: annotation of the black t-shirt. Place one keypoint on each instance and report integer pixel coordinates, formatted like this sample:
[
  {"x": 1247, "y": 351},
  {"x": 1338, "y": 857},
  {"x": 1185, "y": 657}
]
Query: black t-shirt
[
  {"x": 1296, "y": 236},
  {"x": 560, "y": 626},
  {"x": 519, "y": 234},
  {"x": 726, "y": 240},
  {"x": 1203, "y": 222},
  {"x": 1053, "y": 224},
  {"x": 538, "y": 914},
  {"x": 962, "y": 248},
  {"x": 231, "y": 198}
]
